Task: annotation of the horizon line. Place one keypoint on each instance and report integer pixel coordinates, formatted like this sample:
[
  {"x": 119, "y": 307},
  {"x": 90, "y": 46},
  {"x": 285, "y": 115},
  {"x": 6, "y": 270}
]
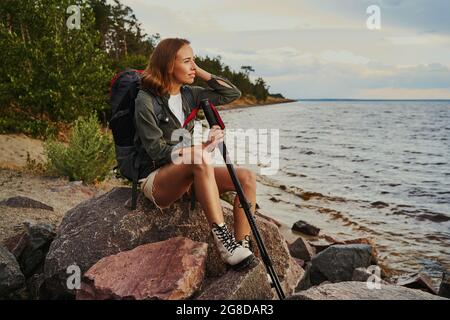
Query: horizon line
[{"x": 352, "y": 99}]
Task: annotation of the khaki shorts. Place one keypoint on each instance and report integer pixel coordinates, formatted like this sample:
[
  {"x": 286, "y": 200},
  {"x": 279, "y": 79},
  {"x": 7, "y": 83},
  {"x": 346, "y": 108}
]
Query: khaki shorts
[{"x": 147, "y": 187}]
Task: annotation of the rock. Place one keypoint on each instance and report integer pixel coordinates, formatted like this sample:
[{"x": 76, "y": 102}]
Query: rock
[
  {"x": 305, "y": 281},
  {"x": 244, "y": 285},
  {"x": 34, "y": 285},
  {"x": 379, "y": 204},
  {"x": 334, "y": 241},
  {"x": 31, "y": 246},
  {"x": 305, "y": 228},
  {"x": 168, "y": 270},
  {"x": 417, "y": 281},
  {"x": 444, "y": 288},
  {"x": 370, "y": 242},
  {"x": 265, "y": 216},
  {"x": 287, "y": 269},
  {"x": 16, "y": 244},
  {"x": 353, "y": 290},
  {"x": 24, "y": 202},
  {"x": 300, "y": 262},
  {"x": 338, "y": 262},
  {"x": 12, "y": 281},
  {"x": 363, "y": 274},
  {"x": 319, "y": 245},
  {"x": 301, "y": 249},
  {"x": 104, "y": 226}
]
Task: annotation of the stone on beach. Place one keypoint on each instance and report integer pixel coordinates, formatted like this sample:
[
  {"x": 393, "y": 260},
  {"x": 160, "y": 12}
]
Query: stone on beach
[
  {"x": 237, "y": 285},
  {"x": 418, "y": 281},
  {"x": 444, "y": 288},
  {"x": 31, "y": 246},
  {"x": 338, "y": 262},
  {"x": 305, "y": 228},
  {"x": 301, "y": 249},
  {"x": 370, "y": 273},
  {"x": 354, "y": 290},
  {"x": 25, "y": 202},
  {"x": 166, "y": 270},
  {"x": 12, "y": 281}
]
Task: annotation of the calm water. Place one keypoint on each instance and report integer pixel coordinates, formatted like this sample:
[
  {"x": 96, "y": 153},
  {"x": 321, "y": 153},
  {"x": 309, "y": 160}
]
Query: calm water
[{"x": 378, "y": 169}]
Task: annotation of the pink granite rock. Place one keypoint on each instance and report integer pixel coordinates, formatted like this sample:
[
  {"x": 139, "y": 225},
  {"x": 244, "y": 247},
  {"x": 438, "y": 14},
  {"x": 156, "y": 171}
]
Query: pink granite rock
[{"x": 167, "y": 270}]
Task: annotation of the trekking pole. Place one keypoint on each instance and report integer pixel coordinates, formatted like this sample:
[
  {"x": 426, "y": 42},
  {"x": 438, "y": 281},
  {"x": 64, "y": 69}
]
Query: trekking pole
[{"x": 213, "y": 118}]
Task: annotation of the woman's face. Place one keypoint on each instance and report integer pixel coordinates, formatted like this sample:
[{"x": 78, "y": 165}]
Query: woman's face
[{"x": 184, "y": 68}]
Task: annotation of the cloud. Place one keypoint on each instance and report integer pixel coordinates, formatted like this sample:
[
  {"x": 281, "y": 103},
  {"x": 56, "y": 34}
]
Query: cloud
[
  {"x": 336, "y": 73},
  {"x": 317, "y": 49}
]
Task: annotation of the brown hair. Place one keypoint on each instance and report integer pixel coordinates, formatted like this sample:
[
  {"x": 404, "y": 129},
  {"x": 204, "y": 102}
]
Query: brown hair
[{"x": 156, "y": 75}]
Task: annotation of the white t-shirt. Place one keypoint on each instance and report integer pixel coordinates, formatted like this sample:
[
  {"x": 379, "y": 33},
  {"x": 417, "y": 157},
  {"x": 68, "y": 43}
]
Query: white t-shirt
[{"x": 176, "y": 106}]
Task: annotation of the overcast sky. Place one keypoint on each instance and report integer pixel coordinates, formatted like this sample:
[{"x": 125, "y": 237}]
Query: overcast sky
[{"x": 318, "y": 49}]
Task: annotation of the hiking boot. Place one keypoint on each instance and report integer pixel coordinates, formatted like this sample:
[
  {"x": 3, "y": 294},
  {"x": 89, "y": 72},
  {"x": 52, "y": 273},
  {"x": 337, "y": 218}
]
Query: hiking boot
[
  {"x": 231, "y": 252},
  {"x": 246, "y": 242}
]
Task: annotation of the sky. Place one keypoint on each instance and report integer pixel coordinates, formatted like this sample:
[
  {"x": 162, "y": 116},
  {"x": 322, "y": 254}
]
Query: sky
[{"x": 307, "y": 49}]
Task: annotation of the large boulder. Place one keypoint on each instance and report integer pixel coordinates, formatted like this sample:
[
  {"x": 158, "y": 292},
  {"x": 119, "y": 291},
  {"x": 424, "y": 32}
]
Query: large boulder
[
  {"x": 12, "y": 281},
  {"x": 338, "y": 262},
  {"x": 352, "y": 290},
  {"x": 239, "y": 285},
  {"x": 105, "y": 226},
  {"x": 165, "y": 270}
]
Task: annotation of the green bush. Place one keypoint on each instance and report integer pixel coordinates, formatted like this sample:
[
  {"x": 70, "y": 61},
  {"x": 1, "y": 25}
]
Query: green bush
[
  {"x": 33, "y": 127},
  {"x": 88, "y": 155}
]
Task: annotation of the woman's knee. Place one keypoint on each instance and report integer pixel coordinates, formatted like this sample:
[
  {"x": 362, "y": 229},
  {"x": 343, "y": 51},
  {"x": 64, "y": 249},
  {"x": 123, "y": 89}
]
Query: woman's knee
[
  {"x": 201, "y": 161},
  {"x": 247, "y": 178}
]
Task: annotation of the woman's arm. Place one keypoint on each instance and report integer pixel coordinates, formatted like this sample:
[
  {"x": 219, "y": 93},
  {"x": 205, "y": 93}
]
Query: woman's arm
[{"x": 222, "y": 90}]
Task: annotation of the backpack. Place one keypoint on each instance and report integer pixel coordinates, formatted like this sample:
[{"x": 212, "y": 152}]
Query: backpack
[{"x": 123, "y": 91}]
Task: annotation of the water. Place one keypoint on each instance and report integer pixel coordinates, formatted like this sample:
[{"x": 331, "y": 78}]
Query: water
[{"x": 377, "y": 169}]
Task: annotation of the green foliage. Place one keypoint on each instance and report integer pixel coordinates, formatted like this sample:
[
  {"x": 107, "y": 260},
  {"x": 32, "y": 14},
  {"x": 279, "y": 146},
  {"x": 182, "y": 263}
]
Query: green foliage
[
  {"x": 88, "y": 156},
  {"x": 49, "y": 70},
  {"x": 52, "y": 75},
  {"x": 33, "y": 127},
  {"x": 240, "y": 79},
  {"x": 138, "y": 62}
]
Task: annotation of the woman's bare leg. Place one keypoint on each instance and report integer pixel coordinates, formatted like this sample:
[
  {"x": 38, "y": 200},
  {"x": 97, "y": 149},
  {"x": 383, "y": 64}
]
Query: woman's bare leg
[
  {"x": 173, "y": 180},
  {"x": 247, "y": 179}
]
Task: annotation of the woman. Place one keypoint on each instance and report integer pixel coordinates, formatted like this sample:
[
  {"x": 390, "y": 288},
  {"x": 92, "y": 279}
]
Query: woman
[{"x": 169, "y": 72}]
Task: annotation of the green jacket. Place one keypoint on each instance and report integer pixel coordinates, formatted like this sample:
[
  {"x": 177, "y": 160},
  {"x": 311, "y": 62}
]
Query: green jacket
[{"x": 154, "y": 141}]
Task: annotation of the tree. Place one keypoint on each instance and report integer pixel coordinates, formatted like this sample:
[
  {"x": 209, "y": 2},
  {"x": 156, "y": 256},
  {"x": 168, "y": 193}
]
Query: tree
[
  {"x": 50, "y": 71},
  {"x": 247, "y": 69},
  {"x": 260, "y": 90}
]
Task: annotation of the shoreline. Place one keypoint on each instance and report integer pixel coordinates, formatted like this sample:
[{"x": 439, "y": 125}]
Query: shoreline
[{"x": 243, "y": 103}]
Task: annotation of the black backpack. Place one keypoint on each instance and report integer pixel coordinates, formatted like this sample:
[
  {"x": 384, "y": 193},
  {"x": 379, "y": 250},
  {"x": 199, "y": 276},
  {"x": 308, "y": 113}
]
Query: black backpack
[{"x": 123, "y": 91}]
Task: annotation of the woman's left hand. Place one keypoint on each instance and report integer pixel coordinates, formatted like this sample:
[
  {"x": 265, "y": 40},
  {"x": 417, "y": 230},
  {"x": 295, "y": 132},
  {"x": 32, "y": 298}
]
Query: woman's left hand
[{"x": 215, "y": 137}]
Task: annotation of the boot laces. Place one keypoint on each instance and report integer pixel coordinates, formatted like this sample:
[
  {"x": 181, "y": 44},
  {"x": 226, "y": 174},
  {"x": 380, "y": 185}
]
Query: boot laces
[
  {"x": 246, "y": 242},
  {"x": 226, "y": 237}
]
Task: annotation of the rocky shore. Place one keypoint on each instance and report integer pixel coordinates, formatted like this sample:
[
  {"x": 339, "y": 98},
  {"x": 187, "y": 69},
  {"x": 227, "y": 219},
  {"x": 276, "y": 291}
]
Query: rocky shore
[
  {"x": 103, "y": 250},
  {"x": 65, "y": 240}
]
